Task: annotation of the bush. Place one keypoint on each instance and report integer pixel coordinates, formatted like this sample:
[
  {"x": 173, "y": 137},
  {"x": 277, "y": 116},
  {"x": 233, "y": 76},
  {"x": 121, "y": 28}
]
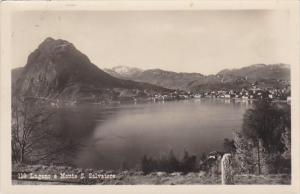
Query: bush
[
  {"x": 169, "y": 164},
  {"x": 188, "y": 163}
]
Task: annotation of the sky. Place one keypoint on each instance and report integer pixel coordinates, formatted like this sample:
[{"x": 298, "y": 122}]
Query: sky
[{"x": 203, "y": 41}]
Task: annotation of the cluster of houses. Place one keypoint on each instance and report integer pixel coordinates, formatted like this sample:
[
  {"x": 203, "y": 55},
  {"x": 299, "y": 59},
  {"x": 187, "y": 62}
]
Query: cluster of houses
[
  {"x": 251, "y": 93},
  {"x": 245, "y": 94},
  {"x": 176, "y": 95}
]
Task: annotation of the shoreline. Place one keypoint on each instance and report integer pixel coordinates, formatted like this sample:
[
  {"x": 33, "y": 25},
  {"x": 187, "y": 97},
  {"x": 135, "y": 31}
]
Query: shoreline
[{"x": 71, "y": 104}]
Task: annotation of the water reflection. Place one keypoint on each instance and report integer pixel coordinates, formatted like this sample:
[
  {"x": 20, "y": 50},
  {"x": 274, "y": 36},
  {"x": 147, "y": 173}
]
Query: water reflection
[{"x": 122, "y": 133}]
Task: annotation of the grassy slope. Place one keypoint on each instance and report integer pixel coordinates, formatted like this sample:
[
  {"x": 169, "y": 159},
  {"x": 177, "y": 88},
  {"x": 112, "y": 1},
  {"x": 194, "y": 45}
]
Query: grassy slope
[{"x": 137, "y": 178}]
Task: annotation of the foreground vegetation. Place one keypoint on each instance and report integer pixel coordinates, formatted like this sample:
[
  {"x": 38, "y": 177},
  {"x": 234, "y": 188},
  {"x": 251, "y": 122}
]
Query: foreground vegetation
[
  {"x": 261, "y": 146},
  {"x": 134, "y": 177},
  {"x": 261, "y": 150}
]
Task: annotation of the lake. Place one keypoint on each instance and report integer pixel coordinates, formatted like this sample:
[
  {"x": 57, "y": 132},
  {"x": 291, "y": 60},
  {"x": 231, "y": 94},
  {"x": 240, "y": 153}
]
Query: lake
[{"x": 118, "y": 135}]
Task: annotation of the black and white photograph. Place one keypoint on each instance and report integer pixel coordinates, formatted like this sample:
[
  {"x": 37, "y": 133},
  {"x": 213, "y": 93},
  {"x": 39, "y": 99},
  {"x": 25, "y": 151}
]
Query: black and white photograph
[{"x": 151, "y": 97}]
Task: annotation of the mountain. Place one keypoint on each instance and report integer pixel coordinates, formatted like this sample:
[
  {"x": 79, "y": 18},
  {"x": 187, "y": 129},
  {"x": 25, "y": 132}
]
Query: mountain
[
  {"x": 269, "y": 75},
  {"x": 258, "y": 72},
  {"x": 264, "y": 76},
  {"x": 15, "y": 74},
  {"x": 123, "y": 72},
  {"x": 56, "y": 69},
  {"x": 167, "y": 79}
]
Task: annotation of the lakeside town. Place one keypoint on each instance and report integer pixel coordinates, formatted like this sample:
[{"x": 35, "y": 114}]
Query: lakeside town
[{"x": 253, "y": 92}]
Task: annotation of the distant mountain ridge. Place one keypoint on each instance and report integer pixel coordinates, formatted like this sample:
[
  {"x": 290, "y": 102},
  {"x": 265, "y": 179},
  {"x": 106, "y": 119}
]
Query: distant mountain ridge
[
  {"x": 123, "y": 72},
  {"x": 260, "y": 71},
  {"x": 192, "y": 81},
  {"x": 56, "y": 69},
  {"x": 167, "y": 79}
]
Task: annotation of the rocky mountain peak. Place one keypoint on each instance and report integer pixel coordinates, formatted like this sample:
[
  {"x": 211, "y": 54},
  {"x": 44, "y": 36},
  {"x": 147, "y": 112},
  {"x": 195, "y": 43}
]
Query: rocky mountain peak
[
  {"x": 52, "y": 46},
  {"x": 56, "y": 68},
  {"x": 126, "y": 70}
]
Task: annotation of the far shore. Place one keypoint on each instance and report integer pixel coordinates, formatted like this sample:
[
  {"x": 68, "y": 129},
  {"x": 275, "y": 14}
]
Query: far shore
[{"x": 59, "y": 103}]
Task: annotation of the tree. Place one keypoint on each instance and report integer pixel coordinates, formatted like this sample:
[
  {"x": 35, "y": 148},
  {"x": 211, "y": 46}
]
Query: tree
[
  {"x": 27, "y": 119},
  {"x": 286, "y": 139},
  {"x": 188, "y": 162},
  {"x": 264, "y": 125},
  {"x": 173, "y": 163},
  {"x": 33, "y": 139},
  {"x": 243, "y": 153},
  {"x": 147, "y": 164},
  {"x": 229, "y": 146}
]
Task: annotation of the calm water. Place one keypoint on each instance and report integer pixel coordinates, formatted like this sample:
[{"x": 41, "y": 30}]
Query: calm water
[{"x": 122, "y": 133}]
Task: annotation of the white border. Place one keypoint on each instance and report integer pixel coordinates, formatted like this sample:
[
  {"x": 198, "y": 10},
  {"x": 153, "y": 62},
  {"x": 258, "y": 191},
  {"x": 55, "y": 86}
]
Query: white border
[{"x": 8, "y": 8}]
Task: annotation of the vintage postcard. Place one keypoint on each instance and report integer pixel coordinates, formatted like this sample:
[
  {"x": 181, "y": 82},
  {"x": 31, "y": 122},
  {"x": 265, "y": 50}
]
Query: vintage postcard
[{"x": 148, "y": 96}]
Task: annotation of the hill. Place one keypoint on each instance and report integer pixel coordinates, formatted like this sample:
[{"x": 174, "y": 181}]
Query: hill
[
  {"x": 56, "y": 69},
  {"x": 123, "y": 72},
  {"x": 16, "y": 74},
  {"x": 259, "y": 72},
  {"x": 265, "y": 75},
  {"x": 167, "y": 79}
]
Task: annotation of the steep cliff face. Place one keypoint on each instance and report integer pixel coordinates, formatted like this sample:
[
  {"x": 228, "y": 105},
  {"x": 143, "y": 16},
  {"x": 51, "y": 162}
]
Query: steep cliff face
[{"x": 56, "y": 69}]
